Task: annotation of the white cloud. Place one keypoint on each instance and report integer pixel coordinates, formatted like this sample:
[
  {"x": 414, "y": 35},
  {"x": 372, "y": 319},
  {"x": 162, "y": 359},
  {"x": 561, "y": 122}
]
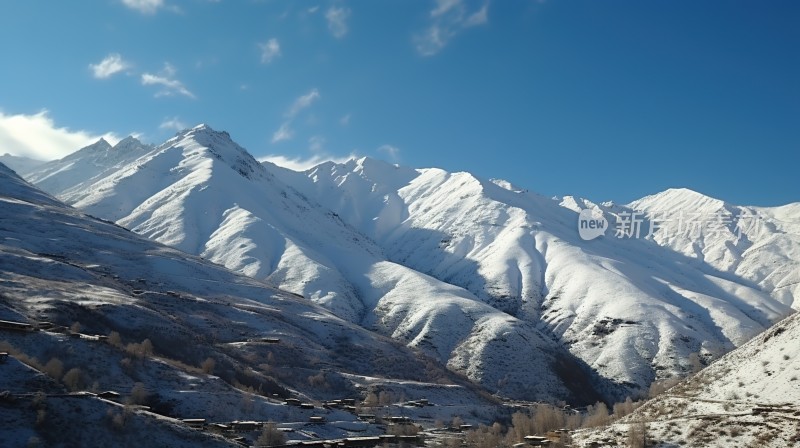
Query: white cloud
[
  {"x": 37, "y": 136},
  {"x": 393, "y": 152},
  {"x": 303, "y": 102},
  {"x": 442, "y": 6},
  {"x": 283, "y": 133},
  {"x": 345, "y": 120},
  {"x": 270, "y": 50},
  {"x": 337, "y": 21},
  {"x": 479, "y": 17},
  {"x": 173, "y": 123},
  {"x": 144, "y": 6},
  {"x": 166, "y": 79},
  {"x": 301, "y": 164},
  {"x": 111, "y": 65},
  {"x": 448, "y": 19}
]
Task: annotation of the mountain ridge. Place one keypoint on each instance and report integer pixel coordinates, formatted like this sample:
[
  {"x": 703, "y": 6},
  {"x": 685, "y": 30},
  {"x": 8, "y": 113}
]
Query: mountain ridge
[{"x": 368, "y": 240}]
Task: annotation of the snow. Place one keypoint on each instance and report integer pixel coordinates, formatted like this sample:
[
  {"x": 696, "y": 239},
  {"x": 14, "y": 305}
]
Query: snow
[
  {"x": 485, "y": 277},
  {"x": 62, "y": 266},
  {"x": 749, "y": 397},
  {"x": 20, "y": 164}
]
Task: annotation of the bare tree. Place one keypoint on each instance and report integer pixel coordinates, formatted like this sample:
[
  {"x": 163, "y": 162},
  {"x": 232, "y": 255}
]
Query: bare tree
[
  {"x": 54, "y": 368},
  {"x": 73, "y": 379},
  {"x": 596, "y": 415},
  {"x": 139, "y": 394},
  {"x": 208, "y": 366},
  {"x": 637, "y": 435},
  {"x": 115, "y": 339},
  {"x": 271, "y": 436}
]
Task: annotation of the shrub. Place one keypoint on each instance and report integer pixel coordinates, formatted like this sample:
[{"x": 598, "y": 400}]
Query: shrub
[
  {"x": 208, "y": 366},
  {"x": 73, "y": 379},
  {"x": 54, "y": 368},
  {"x": 139, "y": 394},
  {"x": 115, "y": 339},
  {"x": 145, "y": 348},
  {"x": 319, "y": 381}
]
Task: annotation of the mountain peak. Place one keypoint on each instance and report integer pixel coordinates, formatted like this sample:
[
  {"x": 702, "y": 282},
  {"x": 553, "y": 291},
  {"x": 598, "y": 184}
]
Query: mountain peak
[
  {"x": 98, "y": 147},
  {"x": 221, "y": 146},
  {"x": 202, "y": 127},
  {"x": 130, "y": 143},
  {"x": 677, "y": 198}
]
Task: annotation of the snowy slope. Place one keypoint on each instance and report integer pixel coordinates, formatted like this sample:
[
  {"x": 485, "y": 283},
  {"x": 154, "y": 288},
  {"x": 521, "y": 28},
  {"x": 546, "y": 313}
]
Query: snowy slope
[
  {"x": 631, "y": 309},
  {"x": 749, "y": 397},
  {"x": 759, "y": 244},
  {"x": 20, "y": 164},
  {"x": 75, "y": 172},
  {"x": 484, "y": 276},
  {"x": 61, "y": 266},
  {"x": 203, "y": 194}
]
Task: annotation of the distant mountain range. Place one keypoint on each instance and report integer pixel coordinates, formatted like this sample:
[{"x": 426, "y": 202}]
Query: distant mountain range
[{"x": 493, "y": 281}]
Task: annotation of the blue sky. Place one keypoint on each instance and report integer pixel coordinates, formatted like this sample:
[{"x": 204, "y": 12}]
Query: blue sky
[{"x": 609, "y": 100}]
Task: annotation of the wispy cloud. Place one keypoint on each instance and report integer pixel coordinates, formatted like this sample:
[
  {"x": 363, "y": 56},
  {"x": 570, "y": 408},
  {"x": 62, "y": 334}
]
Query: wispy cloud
[
  {"x": 173, "y": 123},
  {"x": 443, "y": 6},
  {"x": 303, "y": 102},
  {"x": 337, "y": 20},
  {"x": 166, "y": 79},
  {"x": 109, "y": 66},
  {"x": 302, "y": 164},
  {"x": 144, "y": 6},
  {"x": 284, "y": 132},
  {"x": 37, "y": 136},
  {"x": 270, "y": 50},
  {"x": 345, "y": 120},
  {"x": 392, "y": 152},
  {"x": 448, "y": 18}
]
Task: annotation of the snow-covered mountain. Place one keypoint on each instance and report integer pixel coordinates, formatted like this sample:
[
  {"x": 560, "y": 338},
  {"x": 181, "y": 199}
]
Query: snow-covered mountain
[
  {"x": 490, "y": 279},
  {"x": 69, "y": 174},
  {"x": 20, "y": 164},
  {"x": 758, "y": 244},
  {"x": 630, "y": 308},
  {"x": 60, "y": 268},
  {"x": 203, "y": 194},
  {"x": 750, "y": 397}
]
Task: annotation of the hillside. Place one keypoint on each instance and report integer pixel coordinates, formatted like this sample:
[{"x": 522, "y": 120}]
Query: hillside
[
  {"x": 119, "y": 312},
  {"x": 490, "y": 279},
  {"x": 750, "y": 397}
]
